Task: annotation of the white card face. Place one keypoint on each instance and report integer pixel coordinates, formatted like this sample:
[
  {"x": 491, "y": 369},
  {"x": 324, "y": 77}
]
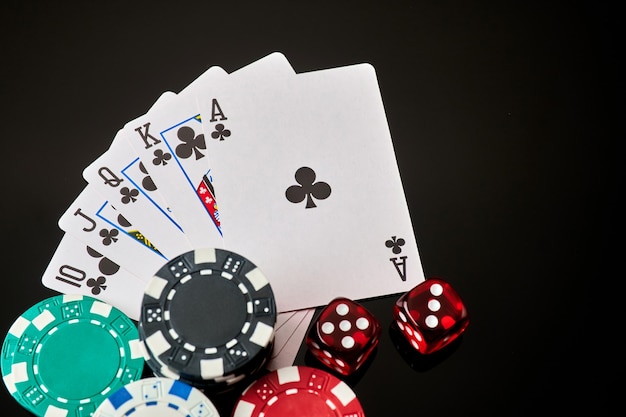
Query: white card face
[
  {"x": 309, "y": 187},
  {"x": 171, "y": 143},
  {"x": 289, "y": 332},
  {"x": 92, "y": 219},
  {"x": 171, "y": 146},
  {"x": 121, "y": 177},
  {"x": 75, "y": 268},
  {"x": 270, "y": 70}
]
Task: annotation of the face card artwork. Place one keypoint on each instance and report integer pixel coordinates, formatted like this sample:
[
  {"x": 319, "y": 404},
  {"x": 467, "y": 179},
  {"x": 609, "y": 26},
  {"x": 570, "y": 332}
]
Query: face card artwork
[
  {"x": 172, "y": 142},
  {"x": 92, "y": 219},
  {"x": 186, "y": 144},
  {"x": 322, "y": 209},
  {"x": 270, "y": 70},
  {"x": 169, "y": 143},
  {"x": 138, "y": 194},
  {"x": 76, "y": 268},
  {"x": 123, "y": 179}
]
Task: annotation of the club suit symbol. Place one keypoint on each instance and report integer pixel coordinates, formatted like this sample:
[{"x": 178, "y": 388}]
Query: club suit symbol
[
  {"x": 97, "y": 285},
  {"x": 129, "y": 195},
  {"x": 395, "y": 244},
  {"x": 109, "y": 236},
  {"x": 160, "y": 157},
  {"x": 308, "y": 188},
  {"x": 191, "y": 143},
  {"x": 220, "y": 132}
]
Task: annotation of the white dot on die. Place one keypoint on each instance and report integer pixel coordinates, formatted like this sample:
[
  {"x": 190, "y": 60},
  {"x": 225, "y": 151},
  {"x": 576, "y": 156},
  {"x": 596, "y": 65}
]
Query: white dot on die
[
  {"x": 362, "y": 323},
  {"x": 431, "y": 321},
  {"x": 434, "y": 305},
  {"x": 328, "y": 327},
  {"x": 436, "y": 289},
  {"x": 345, "y": 325},
  {"x": 342, "y": 309},
  {"x": 347, "y": 342}
]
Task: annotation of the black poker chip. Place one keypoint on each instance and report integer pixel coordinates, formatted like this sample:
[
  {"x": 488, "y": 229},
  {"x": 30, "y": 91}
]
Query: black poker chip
[
  {"x": 208, "y": 318},
  {"x": 226, "y": 383}
]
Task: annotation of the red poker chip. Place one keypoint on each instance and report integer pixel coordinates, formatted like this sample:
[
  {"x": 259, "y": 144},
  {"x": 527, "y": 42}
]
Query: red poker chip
[{"x": 297, "y": 391}]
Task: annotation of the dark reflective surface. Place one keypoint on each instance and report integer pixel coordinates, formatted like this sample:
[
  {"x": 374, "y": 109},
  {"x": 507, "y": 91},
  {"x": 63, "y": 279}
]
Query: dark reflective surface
[{"x": 507, "y": 119}]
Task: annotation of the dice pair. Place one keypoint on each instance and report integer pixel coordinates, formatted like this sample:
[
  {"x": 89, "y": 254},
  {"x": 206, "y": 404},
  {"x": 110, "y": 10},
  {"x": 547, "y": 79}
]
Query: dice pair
[{"x": 430, "y": 316}]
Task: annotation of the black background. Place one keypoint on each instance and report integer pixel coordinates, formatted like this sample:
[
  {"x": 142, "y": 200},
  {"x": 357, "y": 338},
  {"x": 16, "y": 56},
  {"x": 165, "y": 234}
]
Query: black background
[{"x": 507, "y": 119}]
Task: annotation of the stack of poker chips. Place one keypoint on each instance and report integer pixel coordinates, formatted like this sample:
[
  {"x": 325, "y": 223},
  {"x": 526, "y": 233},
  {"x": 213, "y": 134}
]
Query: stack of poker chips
[
  {"x": 206, "y": 327},
  {"x": 64, "y": 355},
  {"x": 207, "y": 319}
]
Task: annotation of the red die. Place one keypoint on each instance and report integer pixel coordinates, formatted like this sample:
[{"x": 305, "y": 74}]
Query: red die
[
  {"x": 431, "y": 315},
  {"x": 344, "y": 335}
]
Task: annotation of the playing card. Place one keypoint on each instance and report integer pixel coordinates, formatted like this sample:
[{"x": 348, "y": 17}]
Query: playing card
[
  {"x": 290, "y": 330},
  {"x": 171, "y": 144},
  {"x": 309, "y": 187},
  {"x": 122, "y": 179},
  {"x": 93, "y": 219},
  {"x": 76, "y": 268}
]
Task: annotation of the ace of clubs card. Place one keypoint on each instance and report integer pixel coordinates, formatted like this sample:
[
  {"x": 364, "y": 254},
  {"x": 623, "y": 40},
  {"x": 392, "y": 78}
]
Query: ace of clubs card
[{"x": 309, "y": 188}]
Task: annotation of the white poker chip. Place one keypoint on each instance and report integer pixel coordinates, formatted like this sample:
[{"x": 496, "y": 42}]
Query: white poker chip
[{"x": 157, "y": 397}]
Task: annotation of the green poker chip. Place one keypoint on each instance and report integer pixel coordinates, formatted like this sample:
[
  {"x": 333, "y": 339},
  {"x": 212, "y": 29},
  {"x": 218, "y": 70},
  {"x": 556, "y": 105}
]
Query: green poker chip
[
  {"x": 66, "y": 354},
  {"x": 9, "y": 347}
]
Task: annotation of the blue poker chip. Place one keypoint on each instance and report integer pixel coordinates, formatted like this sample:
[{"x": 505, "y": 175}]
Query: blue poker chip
[
  {"x": 208, "y": 315},
  {"x": 157, "y": 397}
]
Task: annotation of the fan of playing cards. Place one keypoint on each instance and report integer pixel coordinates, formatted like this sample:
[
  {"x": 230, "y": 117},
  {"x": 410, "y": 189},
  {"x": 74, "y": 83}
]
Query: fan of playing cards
[{"x": 295, "y": 171}]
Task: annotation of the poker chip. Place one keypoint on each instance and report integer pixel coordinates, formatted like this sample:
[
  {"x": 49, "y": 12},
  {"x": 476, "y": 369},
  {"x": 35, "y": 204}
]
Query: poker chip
[
  {"x": 67, "y": 353},
  {"x": 215, "y": 386},
  {"x": 297, "y": 391},
  {"x": 207, "y": 318},
  {"x": 6, "y": 362},
  {"x": 157, "y": 397}
]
